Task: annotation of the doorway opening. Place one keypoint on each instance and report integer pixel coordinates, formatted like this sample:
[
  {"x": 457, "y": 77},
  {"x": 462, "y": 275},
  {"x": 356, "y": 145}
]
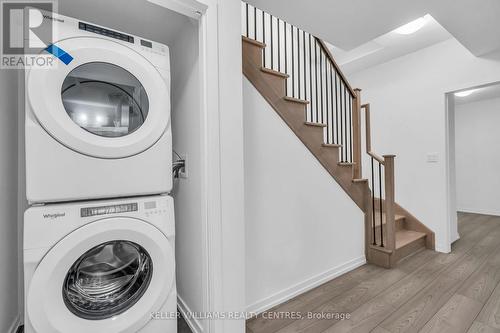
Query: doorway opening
[{"x": 473, "y": 160}]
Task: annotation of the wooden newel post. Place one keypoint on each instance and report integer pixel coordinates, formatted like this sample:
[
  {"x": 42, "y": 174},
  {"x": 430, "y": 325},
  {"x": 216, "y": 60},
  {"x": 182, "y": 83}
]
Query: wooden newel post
[
  {"x": 356, "y": 134},
  {"x": 390, "y": 201}
]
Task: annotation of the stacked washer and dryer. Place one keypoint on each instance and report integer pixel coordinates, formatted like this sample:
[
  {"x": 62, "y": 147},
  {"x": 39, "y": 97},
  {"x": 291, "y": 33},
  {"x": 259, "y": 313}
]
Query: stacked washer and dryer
[{"x": 99, "y": 233}]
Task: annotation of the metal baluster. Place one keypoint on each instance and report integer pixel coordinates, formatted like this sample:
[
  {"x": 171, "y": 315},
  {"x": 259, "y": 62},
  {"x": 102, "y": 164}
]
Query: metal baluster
[
  {"x": 316, "y": 76},
  {"x": 331, "y": 103},
  {"x": 337, "y": 118},
  {"x": 264, "y": 36},
  {"x": 304, "y": 65},
  {"x": 373, "y": 205},
  {"x": 310, "y": 79},
  {"x": 341, "y": 123},
  {"x": 321, "y": 85},
  {"x": 279, "y": 45},
  {"x": 255, "y": 22},
  {"x": 345, "y": 124},
  {"x": 293, "y": 62},
  {"x": 327, "y": 104},
  {"x": 350, "y": 125},
  {"x": 286, "y": 60},
  {"x": 298, "y": 63},
  {"x": 246, "y": 12},
  {"x": 272, "y": 39},
  {"x": 380, "y": 203}
]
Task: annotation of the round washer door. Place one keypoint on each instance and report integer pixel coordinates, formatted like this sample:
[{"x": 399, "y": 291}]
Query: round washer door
[
  {"x": 107, "y": 276},
  {"x": 109, "y": 102}
]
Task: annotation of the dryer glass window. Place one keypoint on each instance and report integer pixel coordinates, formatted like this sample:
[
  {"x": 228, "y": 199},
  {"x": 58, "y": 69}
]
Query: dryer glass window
[
  {"x": 105, "y": 99},
  {"x": 107, "y": 280}
]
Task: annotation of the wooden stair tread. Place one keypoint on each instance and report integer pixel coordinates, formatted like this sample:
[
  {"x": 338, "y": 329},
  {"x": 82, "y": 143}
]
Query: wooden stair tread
[
  {"x": 273, "y": 72},
  {"x": 308, "y": 123},
  {"x": 296, "y": 100},
  {"x": 361, "y": 180},
  {"x": 405, "y": 237},
  {"x": 331, "y": 145},
  {"x": 345, "y": 164},
  {"x": 253, "y": 41}
]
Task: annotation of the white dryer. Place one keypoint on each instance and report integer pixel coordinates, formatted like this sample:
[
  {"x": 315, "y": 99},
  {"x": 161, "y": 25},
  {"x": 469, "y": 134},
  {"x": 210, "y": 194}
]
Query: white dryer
[
  {"x": 98, "y": 120},
  {"x": 100, "y": 266}
]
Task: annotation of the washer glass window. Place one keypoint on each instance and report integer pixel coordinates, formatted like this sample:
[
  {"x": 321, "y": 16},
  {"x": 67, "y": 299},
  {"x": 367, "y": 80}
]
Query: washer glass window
[
  {"x": 105, "y": 99},
  {"x": 107, "y": 280}
]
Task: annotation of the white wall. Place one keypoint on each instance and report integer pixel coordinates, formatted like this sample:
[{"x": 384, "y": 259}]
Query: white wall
[
  {"x": 186, "y": 135},
  {"x": 301, "y": 227},
  {"x": 9, "y": 274},
  {"x": 232, "y": 221},
  {"x": 407, "y": 96},
  {"x": 477, "y": 156}
]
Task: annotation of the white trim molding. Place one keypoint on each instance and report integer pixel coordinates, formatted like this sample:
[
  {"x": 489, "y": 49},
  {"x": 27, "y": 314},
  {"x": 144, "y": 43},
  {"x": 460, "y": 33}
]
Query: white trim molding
[
  {"x": 479, "y": 211},
  {"x": 304, "y": 286},
  {"x": 15, "y": 324},
  {"x": 191, "y": 8},
  {"x": 193, "y": 323}
]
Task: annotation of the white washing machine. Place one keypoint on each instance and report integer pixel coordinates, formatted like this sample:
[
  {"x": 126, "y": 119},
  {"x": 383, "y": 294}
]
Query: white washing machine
[
  {"x": 100, "y": 266},
  {"x": 98, "y": 121}
]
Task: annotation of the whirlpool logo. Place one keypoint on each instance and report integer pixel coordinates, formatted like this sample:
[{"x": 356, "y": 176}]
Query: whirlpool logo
[{"x": 54, "y": 216}]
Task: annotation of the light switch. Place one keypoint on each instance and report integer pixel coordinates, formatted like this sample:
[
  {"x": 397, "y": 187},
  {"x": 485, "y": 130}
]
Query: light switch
[{"x": 432, "y": 158}]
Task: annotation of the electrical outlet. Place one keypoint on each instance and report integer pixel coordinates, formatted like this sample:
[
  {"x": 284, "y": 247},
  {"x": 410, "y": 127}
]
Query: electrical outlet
[{"x": 183, "y": 173}]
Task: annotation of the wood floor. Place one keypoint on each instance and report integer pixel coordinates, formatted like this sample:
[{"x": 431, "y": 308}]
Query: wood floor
[{"x": 427, "y": 292}]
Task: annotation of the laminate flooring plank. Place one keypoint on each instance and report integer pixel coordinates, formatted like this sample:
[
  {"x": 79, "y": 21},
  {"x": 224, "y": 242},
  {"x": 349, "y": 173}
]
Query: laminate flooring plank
[
  {"x": 368, "y": 316},
  {"x": 478, "y": 327},
  {"x": 413, "y": 315},
  {"x": 456, "y": 316},
  {"x": 490, "y": 314}
]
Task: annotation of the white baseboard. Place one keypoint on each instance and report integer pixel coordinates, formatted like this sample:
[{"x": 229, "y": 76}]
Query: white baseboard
[
  {"x": 15, "y": 324},
  {"x": 479, "y": 211},
  {"x": 299, "y": 288},
  {"x": 193, "y": 323}
]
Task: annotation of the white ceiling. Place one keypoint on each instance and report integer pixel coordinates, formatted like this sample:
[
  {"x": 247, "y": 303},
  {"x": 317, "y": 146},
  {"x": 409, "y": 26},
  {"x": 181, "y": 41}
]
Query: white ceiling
[
  {"x": 350, "y": 24},
  {"x": 137, "y": 17},
  {"x": 487, "y": 92},
  {"x": 389, "y": 46}
]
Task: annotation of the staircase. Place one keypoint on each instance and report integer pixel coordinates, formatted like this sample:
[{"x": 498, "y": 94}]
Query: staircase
[{"x": 296, "y": 73}]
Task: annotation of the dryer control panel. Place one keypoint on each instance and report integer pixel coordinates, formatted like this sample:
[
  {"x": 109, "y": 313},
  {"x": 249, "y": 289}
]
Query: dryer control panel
[
  {"x": 110, "y": 209},
  {"x": 105, "y": 32}
]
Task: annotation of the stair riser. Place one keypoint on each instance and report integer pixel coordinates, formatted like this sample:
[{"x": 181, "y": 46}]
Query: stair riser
[
  {"x": 399, "y": 224},
  {"x": 276, "y": 82},
  {"x": 253, "y": 53},
  {"x": 409, "y": 249},
  {"x": 330, "y": 155}
]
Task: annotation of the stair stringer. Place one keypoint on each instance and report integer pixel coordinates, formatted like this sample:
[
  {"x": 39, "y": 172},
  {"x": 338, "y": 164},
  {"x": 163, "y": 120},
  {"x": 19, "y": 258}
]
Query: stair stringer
[{"x": 271, "y": 85}]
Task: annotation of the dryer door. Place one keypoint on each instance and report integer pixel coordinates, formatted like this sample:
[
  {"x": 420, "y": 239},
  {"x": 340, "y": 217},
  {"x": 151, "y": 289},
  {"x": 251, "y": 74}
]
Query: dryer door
[
  {"x": 107, "y": 276},
  {"x": 108, "y": 102}
]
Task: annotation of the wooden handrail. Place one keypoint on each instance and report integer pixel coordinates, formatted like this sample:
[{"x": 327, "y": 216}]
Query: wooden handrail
[
  {"x": 368, "y": 135},
  {"x": 337, "y": 68},
  {"x": 376, "y": 157}
]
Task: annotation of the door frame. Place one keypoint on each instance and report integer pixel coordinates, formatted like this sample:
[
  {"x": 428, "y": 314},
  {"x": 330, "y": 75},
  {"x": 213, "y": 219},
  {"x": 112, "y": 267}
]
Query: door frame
[
  {"x": 222, "y": 159},
  {"x": 450, "y": 170}
]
